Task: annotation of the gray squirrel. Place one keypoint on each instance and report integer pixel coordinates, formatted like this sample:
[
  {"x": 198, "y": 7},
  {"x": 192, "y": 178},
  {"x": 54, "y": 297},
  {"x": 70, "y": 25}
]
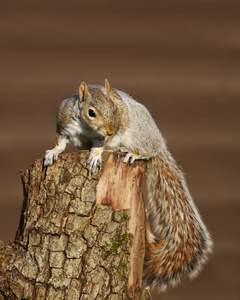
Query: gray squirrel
[{"x": 100, "y": 117}]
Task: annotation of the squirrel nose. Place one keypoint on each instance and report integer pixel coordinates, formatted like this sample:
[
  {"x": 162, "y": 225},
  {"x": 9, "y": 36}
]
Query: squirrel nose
[{"x": 109, "y": 132}]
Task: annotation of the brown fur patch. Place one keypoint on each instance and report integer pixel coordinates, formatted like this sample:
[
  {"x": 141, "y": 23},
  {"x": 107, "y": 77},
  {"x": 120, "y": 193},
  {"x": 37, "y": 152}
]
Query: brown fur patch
[
  {"x": 135, "y": 153},
  {"x": 96, "y": 152},
  {"x": 58, "y": 138}
]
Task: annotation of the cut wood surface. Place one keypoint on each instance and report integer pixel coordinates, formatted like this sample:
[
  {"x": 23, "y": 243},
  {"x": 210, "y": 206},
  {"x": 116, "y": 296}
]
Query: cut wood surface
[{"x": 80, "y": 236}]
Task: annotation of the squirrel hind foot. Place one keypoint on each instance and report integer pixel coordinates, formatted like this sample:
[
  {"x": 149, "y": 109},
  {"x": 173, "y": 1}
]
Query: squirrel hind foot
[{"x": 131, "y": 157}]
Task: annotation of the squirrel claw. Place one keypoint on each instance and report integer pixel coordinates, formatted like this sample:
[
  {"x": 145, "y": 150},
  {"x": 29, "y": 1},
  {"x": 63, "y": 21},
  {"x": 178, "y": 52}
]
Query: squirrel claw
[{"x": 93, "y": 163}]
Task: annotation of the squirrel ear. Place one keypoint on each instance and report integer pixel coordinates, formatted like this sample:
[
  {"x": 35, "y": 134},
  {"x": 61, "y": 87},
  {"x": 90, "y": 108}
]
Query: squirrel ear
[
  {"x": 107, "y": 87},
  {"x": 83, "y": 91}
]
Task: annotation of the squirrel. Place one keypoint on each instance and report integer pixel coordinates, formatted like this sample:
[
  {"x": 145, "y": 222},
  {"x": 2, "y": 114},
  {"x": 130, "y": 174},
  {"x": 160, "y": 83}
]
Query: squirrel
[{"x": 100, "y": 117}]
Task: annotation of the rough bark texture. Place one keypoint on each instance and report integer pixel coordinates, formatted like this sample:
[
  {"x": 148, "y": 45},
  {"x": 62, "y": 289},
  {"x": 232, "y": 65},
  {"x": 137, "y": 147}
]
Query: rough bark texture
[{"x": 80, "y": 236}]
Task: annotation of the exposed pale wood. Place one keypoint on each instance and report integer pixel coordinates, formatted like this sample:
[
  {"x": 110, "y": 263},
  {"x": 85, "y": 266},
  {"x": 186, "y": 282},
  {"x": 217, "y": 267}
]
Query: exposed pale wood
[{"x": 121, "y": 187}]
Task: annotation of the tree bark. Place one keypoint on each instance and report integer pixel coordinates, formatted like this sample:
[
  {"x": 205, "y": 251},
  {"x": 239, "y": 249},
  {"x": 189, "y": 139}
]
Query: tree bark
[{"x": 80, "y": 236}]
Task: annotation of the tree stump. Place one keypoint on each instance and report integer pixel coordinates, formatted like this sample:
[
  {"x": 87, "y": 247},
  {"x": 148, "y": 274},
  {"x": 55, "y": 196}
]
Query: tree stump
[{"x": 80, "y": 236}]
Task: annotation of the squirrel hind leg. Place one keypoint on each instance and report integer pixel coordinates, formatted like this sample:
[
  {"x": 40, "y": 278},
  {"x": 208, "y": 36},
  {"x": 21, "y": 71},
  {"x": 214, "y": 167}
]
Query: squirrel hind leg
[{"x": 131, "y": 157}]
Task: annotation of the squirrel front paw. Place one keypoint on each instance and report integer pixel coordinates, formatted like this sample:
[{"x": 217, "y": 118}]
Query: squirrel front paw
[
  {"x": 50, "y": 157},
  {"x": 94, "y": 159}
]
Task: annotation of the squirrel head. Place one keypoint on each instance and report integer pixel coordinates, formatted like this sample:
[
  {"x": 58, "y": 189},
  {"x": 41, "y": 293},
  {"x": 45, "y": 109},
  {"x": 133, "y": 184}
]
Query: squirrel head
[{"x": 97, "y": 110}]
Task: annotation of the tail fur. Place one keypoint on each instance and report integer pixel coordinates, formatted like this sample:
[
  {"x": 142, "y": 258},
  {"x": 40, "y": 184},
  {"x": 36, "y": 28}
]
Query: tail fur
[{"x": 177, "y": 242}]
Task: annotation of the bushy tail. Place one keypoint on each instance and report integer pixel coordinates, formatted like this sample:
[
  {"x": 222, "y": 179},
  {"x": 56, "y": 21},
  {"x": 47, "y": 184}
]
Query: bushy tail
[{"x": 177, "y": 241}]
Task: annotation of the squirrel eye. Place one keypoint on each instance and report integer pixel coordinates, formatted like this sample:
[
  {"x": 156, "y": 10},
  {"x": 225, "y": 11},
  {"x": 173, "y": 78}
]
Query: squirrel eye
[{"x": 91, "y": 113}]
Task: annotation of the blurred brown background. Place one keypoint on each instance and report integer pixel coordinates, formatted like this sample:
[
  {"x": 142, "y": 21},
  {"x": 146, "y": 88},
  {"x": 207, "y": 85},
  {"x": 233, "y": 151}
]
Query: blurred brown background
[{"x": 179, "y": 58}]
